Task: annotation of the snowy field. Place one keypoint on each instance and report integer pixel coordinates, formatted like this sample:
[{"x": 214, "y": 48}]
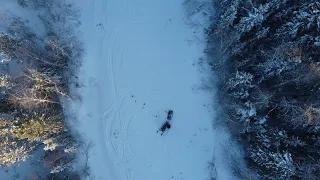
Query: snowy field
[
  {"x": 141, "y": 59},
  {"x": 139, "y": 63}
]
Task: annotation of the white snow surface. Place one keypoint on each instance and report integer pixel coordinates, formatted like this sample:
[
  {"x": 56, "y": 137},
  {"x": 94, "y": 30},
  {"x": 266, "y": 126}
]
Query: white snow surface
[{"x": 139, "y": 63}]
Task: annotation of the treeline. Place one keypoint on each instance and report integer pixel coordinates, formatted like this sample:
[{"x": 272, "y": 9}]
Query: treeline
[
  {"x": 32, "y": 91},
  {"x": 266, "y": 56}
]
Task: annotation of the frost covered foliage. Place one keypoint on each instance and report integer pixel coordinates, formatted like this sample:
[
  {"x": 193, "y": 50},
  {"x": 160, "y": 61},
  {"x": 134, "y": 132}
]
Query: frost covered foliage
[
  {"x": 254, "y": 18},
  {"x": 240, "y": 84},
  {"x": 5, "y": 83},
  {"x": 278, "y": 161},
  {"x": 32, "y": 90},
  {"x": 266, "y": 53}
]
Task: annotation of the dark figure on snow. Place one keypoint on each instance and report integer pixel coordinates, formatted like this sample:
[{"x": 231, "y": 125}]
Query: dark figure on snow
[
  {"x": 164, "y": 127},
  {"x": 169, "y": 115}
]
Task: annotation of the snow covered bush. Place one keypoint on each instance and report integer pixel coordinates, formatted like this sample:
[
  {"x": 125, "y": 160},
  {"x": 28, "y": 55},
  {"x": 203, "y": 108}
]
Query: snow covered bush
[
  {"x": 279, "y": 60},
  {"x": 255, "y": 18},
  {"x": 240, "y": 84},
  {"x": 22, "y": 3},
  {"x": 303, "y": 20},
  {"x": 247, "y": 112},
  {"x": 279, "y": 163},
  {"x": 228, "y": 13}
]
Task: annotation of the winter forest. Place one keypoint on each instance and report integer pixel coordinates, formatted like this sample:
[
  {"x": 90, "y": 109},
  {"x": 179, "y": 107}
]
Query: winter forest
[
  {"x": 35, "y": 68},
  {"x": 85, "y": 87},
  {"x": 266, "y": 57}
]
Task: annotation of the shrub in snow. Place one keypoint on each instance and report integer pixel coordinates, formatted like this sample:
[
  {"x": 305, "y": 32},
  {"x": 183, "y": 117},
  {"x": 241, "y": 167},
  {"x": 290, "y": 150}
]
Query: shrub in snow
[
  {"x": 11, "y": 153},
  {"x": 22, "y": 3},
  {"x": 279, "y": 164},
  {"x": 304, "y": 19},
  {"x": 5, "y": 81},
  {"x": 280, "y": 60},
  {"x": 317, "y": 41},
  {"x": 255, "y": 17},
  {"x": 262, "y": 33},
  {"x": 240, "y": 84},
  {"x": 59, "y": 168},
  {"x": 50, "y": 144},
  {"x": 229, "y": 10},
  {"x": 247, "y": 112},
  {"x": 5, "y": 84}
]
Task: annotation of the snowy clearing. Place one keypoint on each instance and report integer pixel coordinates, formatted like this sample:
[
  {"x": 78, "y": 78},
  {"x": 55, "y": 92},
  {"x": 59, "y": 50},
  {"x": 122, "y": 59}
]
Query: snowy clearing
[{"x": 140, "y": 61}]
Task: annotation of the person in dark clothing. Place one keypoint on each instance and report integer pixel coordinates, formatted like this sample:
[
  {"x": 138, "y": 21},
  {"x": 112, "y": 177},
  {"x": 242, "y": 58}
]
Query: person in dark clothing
[
  {"x": 169, "y": 115},
  {"x": 164, "y": 127}
]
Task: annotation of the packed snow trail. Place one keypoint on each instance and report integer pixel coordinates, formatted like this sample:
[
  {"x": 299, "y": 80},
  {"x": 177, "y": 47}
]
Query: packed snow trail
[{"x": 137, "y": 65}]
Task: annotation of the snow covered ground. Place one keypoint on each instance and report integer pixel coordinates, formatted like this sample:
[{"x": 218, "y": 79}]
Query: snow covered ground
[{"x": 139, "y": 63}]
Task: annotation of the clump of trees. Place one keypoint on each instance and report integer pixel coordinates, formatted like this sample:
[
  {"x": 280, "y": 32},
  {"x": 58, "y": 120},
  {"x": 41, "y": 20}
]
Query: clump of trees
[
  {"x": 31, "y": 113},
  {"x": 266, "y": 55}
]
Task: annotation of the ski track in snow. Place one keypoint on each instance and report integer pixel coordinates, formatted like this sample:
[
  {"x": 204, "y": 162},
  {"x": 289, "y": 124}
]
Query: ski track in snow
[
  {"x": 115, "y": 141},
  {"x": 112, "y": 49}
]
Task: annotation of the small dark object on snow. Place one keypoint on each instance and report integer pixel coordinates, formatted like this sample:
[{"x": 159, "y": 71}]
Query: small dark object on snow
[
  {"x": 164, "y": 127},
  {"x": 169, "y": 115}
]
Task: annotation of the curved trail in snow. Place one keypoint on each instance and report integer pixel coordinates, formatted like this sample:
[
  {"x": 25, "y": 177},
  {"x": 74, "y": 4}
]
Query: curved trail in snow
[
  {"x": 138, "y": 64},
  {"x": 113, "y": 48}
]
